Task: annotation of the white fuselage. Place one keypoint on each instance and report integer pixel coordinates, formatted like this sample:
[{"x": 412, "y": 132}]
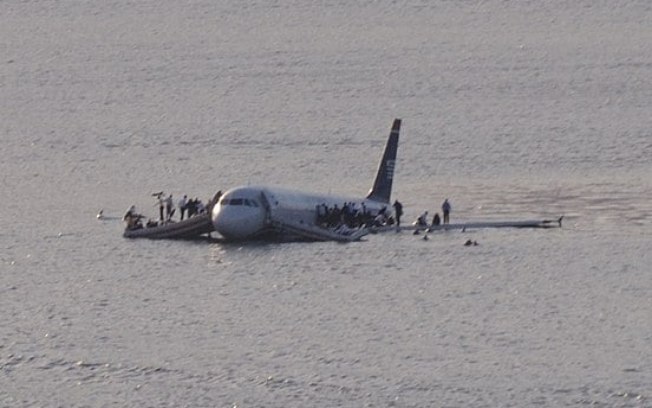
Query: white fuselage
[{"x": 248, "y": 212}]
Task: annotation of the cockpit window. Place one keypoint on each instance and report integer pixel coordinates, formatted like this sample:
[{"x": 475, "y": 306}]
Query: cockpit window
[{"x": 239, "y": 201}]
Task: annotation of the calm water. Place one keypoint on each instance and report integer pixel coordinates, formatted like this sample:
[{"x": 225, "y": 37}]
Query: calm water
[{"x": 512, "y": 111}]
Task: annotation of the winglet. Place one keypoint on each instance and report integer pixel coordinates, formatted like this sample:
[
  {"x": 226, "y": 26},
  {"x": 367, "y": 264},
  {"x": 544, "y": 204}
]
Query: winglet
[{"x": 382, "y": 188}]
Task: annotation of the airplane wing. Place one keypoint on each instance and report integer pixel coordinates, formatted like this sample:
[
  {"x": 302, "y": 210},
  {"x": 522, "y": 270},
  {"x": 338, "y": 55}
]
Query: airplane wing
[{"x": 317, "y": 233}]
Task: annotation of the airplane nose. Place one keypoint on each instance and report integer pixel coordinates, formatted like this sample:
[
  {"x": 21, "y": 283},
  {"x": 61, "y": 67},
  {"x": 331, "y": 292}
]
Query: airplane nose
[
  {"x": 224, "y": 224},
  {"x": 237, "y": 222}
]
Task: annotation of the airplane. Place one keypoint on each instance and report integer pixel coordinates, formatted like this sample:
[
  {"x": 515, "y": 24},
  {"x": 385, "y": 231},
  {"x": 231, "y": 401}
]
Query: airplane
[
  {"x": 253, "y": 212},
  {"x": 280, "y": 214}
]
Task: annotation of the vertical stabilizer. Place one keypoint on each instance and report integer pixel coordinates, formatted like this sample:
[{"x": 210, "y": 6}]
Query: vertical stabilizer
[{"x": 382, "y": 188}]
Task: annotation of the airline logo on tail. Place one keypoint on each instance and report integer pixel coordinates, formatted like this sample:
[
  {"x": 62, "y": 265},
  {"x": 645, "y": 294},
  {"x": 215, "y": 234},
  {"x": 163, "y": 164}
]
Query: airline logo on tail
[
  {"x": 389, "y": 169},
  {"x": 382, "y": 187}
]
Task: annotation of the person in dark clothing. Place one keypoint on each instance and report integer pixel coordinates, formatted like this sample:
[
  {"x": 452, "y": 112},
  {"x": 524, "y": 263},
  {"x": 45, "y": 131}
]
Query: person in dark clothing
[
  {"x": 436, "y": 220},
  {"x": 182, "y": 205},
  {"x": 191, "y": 206},
  {"x": 446, "y": 209},
  {"x": 213, "y": 201},
  {"x": 398, "y": 210}
]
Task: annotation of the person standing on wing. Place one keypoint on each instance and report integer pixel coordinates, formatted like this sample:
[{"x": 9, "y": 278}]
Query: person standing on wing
[
  {"x": 398, "y": 211},
  {"x": 446, "y": 209}
]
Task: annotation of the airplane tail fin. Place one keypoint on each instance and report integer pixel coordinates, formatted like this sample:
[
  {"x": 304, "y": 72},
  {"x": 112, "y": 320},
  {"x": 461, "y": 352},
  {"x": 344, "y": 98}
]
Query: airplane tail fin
[{"x": 382, "y": 188}]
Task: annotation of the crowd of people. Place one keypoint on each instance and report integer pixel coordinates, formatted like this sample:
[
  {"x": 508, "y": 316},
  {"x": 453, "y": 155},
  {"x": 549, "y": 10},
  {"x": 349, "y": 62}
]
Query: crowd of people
[
  {"x": 351, "y": 215},
  {"x": 355, "y": 215},
  {"x": 187, "y": 208}
]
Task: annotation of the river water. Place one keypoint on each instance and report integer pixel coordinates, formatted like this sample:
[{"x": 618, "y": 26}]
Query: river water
[{"x": 512, "y": 110}]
